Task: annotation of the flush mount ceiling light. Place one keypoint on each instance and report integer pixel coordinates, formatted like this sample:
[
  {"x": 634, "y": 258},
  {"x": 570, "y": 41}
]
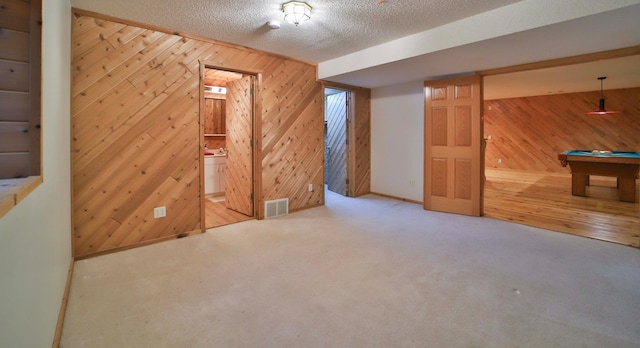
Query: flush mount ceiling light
[
  {"x": 296, "y": 12},
  {"x": 601, "y": 110}
]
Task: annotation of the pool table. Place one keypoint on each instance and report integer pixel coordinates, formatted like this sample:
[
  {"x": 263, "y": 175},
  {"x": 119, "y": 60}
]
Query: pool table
[{"x": 621, "y": 164}]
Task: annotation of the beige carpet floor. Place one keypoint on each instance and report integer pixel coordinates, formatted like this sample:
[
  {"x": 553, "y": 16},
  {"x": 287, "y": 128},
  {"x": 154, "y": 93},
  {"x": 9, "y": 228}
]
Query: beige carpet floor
[{"x": 360, "y": 272}]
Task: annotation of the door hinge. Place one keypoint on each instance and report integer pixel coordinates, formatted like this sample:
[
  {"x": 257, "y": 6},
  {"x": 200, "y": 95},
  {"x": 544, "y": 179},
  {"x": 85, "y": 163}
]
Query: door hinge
[
  {"x": 251, "y": 196},
  {"x": 251, "y": 91},
  {"x": 251, "y": 142},
  {"x": 347, "y": 182}
]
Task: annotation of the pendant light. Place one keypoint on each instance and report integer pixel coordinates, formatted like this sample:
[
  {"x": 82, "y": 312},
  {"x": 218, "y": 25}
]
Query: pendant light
[{"x": 601, "y": 110}]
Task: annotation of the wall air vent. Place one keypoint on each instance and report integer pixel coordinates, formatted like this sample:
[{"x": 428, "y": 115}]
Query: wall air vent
[{"x": 276, "y": 207}]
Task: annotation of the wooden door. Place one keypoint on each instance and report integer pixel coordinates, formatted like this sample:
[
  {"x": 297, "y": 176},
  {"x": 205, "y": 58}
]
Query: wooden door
[
  {"x": 336, "y": 143},
  {"x": 453, "y": 161},
  {"x": 239, "y": 169}
]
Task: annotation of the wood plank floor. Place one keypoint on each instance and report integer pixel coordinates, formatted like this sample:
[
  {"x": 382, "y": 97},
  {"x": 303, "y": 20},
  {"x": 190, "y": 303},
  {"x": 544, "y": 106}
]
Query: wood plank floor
[
  {"x": 217, "y": 214},
  {"x": 544, "y": 200}
]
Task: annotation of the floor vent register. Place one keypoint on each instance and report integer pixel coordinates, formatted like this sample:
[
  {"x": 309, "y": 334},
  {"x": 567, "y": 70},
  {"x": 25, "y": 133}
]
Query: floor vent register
[{"x": 276, "y": 207}]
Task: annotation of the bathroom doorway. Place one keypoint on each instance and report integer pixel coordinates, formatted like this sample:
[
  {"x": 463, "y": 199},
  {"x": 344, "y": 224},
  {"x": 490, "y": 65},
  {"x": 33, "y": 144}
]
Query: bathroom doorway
[{"x": 228, "y": 105}]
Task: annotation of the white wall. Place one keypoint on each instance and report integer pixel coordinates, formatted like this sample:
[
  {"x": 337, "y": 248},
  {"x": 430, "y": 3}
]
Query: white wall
[
  {"x": 397, "y": 133},
  {"x": 35, "y": 236}
]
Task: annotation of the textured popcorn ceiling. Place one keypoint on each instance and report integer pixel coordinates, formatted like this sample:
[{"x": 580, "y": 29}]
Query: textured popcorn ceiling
[{"x": 373, "y": 43}]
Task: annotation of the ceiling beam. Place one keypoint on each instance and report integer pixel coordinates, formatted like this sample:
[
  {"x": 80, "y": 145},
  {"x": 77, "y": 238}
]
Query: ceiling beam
[{"x": 552, "y": 63}]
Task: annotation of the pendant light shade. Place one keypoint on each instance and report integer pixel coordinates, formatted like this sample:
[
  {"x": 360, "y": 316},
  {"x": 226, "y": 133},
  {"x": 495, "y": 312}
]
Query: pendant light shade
[{"x": 601, "y": 109}]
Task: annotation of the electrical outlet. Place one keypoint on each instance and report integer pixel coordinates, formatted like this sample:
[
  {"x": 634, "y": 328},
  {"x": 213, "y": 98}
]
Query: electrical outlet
[
  {"x": 412, "y": 182},
  {"x": 499, "y": 160},
  {"x": 159, "y": 212},
  {"x": 310, "y": 187}
]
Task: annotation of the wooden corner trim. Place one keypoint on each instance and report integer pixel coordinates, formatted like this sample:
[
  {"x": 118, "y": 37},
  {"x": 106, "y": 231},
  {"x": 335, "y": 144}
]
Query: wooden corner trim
[
  {"x": 396, "y": 198},
  {"x": 63, "y": 306},
  {"x": 583, "y": 58}
]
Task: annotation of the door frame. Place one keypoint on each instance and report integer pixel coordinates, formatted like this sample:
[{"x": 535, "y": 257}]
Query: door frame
[
  {"x": 474, "y": 206},
  {"x": 552, "y": 63},
  {"x": 256, "y": 121},
  {"x": 351, "y": 135}
]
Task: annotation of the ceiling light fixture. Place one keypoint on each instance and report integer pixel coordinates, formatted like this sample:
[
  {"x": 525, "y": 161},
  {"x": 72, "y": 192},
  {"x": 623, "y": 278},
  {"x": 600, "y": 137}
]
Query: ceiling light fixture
[
  {"x": 601, "y": 110},
  {"x": 215, "y": 89},
  {"x": 296, "y": 12}
]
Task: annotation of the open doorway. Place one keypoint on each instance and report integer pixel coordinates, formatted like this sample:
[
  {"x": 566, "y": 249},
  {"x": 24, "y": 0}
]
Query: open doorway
[
  {"x": 336, "y": 140},
  {"x": 228, "y": 105},
  {"x": 533, "y": 115}
]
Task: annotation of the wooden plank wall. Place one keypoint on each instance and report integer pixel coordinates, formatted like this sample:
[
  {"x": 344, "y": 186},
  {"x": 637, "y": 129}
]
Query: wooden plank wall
[
  {"x": 528, "y": 133},
  {"x": 136, "y": 132},
  {"x": 214, "y": 143},
  {"x": 20, "y": 23},
  {"x": 362, "y": 138},
  {"x": 292, "y": 135}
]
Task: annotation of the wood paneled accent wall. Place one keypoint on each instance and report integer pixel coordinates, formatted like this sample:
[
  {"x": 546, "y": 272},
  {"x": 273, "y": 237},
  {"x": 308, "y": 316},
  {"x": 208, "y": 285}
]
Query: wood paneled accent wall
[
  {"x": 292, "y": 135},
  {"x": 362, "y": 132},
  {"x": 528, "y": 133},
  {"x": 136, "y": 132},
  {"x": 214, "y": 143},
  {"x": 214, "y": 116}
]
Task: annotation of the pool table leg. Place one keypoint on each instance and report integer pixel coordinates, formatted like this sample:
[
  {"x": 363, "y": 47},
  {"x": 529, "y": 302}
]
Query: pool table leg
[
  {"x": 579, "y": 183},
  {"x": 627, "y": 189}
]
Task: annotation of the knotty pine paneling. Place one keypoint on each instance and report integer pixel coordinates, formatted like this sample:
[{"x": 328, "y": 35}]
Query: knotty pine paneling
[
  {"x": 136, "y": 131},
  {"x": 19, "y": 88},
  {"x": 292, "y": 134},
  {"x": 528, "y": 133},
  {"x": 14, "y": 76},
  {"x": 216, "y": 142},
  {"x": 14, "y": 106},
  {"x": 362, "y": 132},
  {"x": 14, "y": 45},
  {"x": 15, "y": 14}
]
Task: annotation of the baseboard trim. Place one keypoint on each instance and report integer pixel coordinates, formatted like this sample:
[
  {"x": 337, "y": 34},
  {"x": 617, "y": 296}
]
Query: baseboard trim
[
  {"x": 305, "y": 208},
  {"x": 397, "y": 198},
  {"x": 138, "y": 245},
  {"x": 63, "y": 306}
]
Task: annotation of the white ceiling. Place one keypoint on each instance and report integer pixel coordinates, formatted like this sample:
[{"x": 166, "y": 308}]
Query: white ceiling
[
  {"x": 619, "y": 72},
  {"x": 374, "y": 43}
]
